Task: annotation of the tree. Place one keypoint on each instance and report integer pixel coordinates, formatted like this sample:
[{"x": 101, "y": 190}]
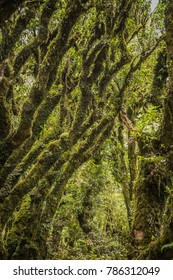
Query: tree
[
  {"x": 65, "y": 68},
  {"x": 8, "y": 8},
  {"x": 152, "y": 222}
]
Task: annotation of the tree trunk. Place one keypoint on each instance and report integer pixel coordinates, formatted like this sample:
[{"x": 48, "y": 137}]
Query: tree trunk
[{"x": 153, "y": 221}]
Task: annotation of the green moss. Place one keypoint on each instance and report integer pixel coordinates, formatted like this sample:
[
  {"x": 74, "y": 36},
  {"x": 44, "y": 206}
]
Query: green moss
[
  {"x": 150, "y": 195},
  {"x": 13, "y": 234}
]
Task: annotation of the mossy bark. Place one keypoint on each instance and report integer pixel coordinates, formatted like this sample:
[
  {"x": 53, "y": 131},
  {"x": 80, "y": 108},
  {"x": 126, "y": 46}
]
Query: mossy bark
[
  {"x": 7, "y": 9},
  {"x": 34, "y": 174},
  {"x": 150, "y": 197},
  {"x": 152, "y": 225},
  {"x": 33, "y": 210}
]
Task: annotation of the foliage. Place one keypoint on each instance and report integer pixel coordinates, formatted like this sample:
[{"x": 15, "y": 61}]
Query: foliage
[
  {"x": 98, "y": 227},
  {"x": 83, "y": 97}
]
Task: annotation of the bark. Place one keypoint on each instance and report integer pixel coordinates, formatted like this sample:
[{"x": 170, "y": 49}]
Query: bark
[
  {"x": 7, "y": 8},
  {"x": 153, "y": 200},
  {"x": 35, "y": 168}
]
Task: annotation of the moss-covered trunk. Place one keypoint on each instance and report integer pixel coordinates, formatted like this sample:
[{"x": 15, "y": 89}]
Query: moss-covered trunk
[
  {"x": 64, "y": 71},
  {"x": 152, "y": 225},
  {"x": 29, "y": 208}
]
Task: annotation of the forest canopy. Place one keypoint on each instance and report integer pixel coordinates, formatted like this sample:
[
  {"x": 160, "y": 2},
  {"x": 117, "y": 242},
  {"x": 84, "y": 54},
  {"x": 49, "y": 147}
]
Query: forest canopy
[{"x": 86, "y": 129}]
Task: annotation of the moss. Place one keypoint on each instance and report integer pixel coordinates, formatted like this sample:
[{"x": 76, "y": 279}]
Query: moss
[
  {"x": 4, "y": 152},
  {"x": 27, "y": 250},
  {"x": 13, "y": 233},
  {"x": 4, "y": 113},
  {"x": 65, "y": 142},
  {"x": 150, "y": 199}
]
